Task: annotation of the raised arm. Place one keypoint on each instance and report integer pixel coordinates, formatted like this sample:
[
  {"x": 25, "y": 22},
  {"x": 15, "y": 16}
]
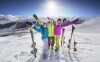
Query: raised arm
[
  {"x": 36, "y": 28},
  {"x": 51, "y": 20},
  {"x": 70, "y": 23},
  {"x": 54, "y": 23}
]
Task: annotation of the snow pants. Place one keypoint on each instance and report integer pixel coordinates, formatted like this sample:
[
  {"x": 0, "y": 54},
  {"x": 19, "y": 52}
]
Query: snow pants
[
  {"x": 51, "y": 41},
  {"x": 45, "y": 46},
  {"x": 57, "y": 39}
]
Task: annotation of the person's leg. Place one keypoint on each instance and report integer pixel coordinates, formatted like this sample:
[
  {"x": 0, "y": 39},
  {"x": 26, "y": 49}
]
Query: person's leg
[
  {"x": 57, "y": 41},
  {"x": 53, "y": 42},
  {"x": 45, "y": 47},
  {"x": 49, "y": 42}
]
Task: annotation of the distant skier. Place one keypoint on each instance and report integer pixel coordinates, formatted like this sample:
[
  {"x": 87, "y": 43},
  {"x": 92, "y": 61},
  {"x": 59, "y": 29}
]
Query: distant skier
[
  {"x": 44, "y": 32},
  {"x": 57, "y": 30}
]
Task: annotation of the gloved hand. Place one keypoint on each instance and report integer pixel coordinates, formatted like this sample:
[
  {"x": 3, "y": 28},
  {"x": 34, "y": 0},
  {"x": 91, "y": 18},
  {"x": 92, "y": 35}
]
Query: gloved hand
[
  {"x": 32, "y": 25},
  {"x": 28, "y": 23},
  {"x": 75, "y": 21},
  {"x": 35, "y": 16},
  {"x": 64, "y": 19},
  {"x": 48, "y": 18}
]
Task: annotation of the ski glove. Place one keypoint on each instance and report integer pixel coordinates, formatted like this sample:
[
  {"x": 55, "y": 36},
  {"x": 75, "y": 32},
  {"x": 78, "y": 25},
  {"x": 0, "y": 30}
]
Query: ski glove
[
  {"x": 48, "y": 18},
  {"x": 28, "y": 23},
  {"x": 75, "y": 21},
  {"x": 64, "y": 19},
  {"x": 33, "y": 25}
]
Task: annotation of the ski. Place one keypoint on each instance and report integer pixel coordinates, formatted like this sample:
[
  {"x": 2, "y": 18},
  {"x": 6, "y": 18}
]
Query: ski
[
  {"x": 71, "y": 38},
  {"x": 34, "y": 51},
  {"x": 63, "y": 38},
  {"x": 35, "y": 16},
  {"x": 63, "y": 31}
]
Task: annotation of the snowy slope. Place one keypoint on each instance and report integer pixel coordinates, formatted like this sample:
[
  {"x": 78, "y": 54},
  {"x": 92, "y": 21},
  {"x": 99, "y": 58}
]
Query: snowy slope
[{"x": 17, "y": 47}]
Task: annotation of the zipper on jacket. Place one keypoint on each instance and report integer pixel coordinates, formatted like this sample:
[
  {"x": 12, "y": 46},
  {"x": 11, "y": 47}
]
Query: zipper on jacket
[{"x": 51, "y": 30}]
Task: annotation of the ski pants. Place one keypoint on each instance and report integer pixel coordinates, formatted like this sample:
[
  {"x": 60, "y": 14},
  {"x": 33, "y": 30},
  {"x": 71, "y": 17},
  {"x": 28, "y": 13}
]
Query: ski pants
[
  {"x": 57, "y": 39},
  {"x": 51, "y": 41},
  {"x": 45, "y": 47}
]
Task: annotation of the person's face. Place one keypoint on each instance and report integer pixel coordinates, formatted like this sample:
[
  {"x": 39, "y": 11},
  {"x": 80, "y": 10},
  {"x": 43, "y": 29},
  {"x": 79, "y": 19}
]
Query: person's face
[
  {"x": 59, "y": 22},
  {"x": 44, "y": 25}
]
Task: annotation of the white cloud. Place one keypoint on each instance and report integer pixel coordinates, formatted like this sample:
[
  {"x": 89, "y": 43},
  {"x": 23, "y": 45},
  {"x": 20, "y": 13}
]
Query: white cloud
[{"x": 11, "y": 18}]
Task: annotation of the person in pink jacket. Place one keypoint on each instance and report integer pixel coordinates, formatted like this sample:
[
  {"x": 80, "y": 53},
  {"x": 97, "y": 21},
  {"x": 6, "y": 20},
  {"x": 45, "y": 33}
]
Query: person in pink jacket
[{"x": 57, "y": 30}]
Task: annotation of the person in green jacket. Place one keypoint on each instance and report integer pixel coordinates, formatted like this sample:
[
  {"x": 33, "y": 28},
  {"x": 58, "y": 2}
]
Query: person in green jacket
[{"x": 50, "y": 27}]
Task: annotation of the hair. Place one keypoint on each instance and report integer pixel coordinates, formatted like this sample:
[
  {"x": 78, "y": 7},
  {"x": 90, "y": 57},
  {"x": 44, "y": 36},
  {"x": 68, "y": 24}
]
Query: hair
[{"x": 59, "y": 19}]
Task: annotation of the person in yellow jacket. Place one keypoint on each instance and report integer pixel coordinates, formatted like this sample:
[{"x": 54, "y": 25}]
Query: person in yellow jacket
[{"x": 50, "y": 27}]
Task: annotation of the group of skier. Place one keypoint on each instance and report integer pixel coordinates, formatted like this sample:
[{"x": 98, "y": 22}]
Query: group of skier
[{"x": 50, "y": 33}]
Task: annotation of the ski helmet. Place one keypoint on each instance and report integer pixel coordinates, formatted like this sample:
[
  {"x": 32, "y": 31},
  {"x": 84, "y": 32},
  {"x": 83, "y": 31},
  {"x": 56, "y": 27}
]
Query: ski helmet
[{"x": 59, "y": 20}]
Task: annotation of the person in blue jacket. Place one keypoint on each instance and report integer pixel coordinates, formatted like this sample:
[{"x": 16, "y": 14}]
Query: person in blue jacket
[{"x": 44, "y": 32}]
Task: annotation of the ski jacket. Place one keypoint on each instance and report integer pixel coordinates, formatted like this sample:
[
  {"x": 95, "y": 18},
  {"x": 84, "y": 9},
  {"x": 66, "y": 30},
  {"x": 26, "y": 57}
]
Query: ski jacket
[
  {"x": 57, "y": 29},
  {"x": 50, "y": 28},
  {"x": 45, "y": 35}
]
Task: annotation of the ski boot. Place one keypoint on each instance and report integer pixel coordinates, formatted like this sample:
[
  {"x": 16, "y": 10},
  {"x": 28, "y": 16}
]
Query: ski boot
[{"x": 56, "y": 49}]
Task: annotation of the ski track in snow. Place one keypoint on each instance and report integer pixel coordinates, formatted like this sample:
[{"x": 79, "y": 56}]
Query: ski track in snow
[{"x": 16, "y": 48}]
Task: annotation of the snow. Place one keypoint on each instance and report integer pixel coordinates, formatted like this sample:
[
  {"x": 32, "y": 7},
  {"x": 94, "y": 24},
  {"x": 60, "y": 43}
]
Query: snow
[{"x": 16, "y": 46}]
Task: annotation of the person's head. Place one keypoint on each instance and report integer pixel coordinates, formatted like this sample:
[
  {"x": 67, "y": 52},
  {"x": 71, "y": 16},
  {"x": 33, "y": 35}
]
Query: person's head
[
  {"x": 59, "y": 21},
  {"x": 44, "y": 25}
]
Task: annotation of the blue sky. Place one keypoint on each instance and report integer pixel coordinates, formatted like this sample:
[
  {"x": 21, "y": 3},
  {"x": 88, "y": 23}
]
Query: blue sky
[{"x": 42, "y": 7}]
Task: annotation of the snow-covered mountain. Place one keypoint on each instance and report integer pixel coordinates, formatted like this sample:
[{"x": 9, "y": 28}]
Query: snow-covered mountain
[
  {"x": 10, "y": 18},
  {"x": 9, "y": 23},
  {"x": 92, "y": 25}
]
